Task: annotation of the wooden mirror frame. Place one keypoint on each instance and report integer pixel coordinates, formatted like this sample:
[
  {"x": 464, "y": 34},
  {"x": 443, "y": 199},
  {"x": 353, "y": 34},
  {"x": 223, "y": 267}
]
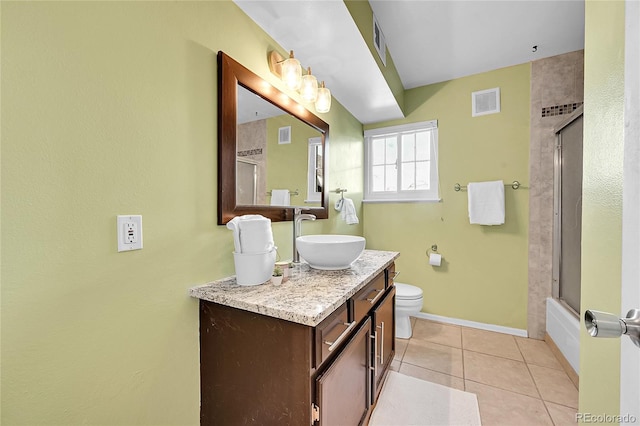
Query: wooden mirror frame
[{"x": 230, "y": 75}]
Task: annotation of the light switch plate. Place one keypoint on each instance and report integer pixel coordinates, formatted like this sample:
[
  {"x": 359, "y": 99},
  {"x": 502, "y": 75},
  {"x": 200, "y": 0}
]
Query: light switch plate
[{"x": 129, "y": 230}]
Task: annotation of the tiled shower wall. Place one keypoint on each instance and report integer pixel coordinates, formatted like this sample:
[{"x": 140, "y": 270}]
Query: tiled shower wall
[{"x": 557, "y": 89}]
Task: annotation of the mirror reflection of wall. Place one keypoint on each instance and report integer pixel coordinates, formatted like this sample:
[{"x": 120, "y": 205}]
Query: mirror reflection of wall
[{"x": 279, "y": 164}]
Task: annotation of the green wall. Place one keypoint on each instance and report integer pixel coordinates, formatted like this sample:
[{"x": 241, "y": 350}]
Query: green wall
[
  {"x": 110, "y": 108},
  {"x": 288, "y": 163},
  {"x": 602, "y": 199},
  {"x": 484, "y": 273}
]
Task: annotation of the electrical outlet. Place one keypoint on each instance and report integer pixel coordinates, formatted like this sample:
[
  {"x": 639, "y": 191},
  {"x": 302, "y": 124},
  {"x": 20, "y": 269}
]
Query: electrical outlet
[{"x": 129, "y": 230}]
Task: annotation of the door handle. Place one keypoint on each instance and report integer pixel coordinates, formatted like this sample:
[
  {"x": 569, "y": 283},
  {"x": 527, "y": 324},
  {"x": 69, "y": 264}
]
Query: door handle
[
  {"x": 604, "y": 324},
  {"x": 381, "y": 327},
  {"x": 345, "y": 333}
]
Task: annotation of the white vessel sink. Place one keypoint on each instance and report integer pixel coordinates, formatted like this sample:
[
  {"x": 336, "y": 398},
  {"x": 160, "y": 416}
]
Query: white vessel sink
[{"x": 330, "y": 252}]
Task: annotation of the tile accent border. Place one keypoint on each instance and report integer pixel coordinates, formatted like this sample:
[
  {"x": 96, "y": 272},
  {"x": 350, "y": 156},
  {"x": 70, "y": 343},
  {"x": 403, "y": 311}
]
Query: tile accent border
[
  {"x": 554, "y": 110},
  {"x": 248, "y": 152},
  {"x": 472, "y": 324}
]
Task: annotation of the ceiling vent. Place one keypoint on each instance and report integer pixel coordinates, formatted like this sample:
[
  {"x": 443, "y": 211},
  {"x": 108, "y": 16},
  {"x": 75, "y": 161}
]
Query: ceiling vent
[{"x": 485, "y": 102}]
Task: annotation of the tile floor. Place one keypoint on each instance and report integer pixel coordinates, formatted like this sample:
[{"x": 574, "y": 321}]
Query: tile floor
[{"x": 518, "y": 381}]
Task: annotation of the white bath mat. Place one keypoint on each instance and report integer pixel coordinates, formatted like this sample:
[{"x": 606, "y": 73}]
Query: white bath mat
[{"x": 405, "y": 401}]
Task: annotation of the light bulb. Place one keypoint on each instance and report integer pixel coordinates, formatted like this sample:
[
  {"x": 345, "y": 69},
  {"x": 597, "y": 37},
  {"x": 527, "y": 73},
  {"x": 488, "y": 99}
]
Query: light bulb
[
  {"x": 323, "y": 103},
  {"x": 292, "y": 72},
  {"x": 309, "y": 88}
]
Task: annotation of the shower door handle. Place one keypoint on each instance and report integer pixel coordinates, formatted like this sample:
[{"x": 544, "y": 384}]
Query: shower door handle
[{"x": 604, "y": 324}]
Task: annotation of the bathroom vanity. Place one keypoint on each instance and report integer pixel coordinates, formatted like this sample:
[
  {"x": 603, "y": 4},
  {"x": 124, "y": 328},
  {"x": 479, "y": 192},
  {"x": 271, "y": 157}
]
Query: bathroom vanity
[{"x": 311, "y": 351}]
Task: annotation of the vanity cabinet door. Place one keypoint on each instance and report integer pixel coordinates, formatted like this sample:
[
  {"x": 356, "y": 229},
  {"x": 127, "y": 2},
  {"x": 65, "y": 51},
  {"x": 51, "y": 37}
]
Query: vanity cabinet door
[
  {"x": 384, "y": 331},
  {"x": 343, "y": 390}
]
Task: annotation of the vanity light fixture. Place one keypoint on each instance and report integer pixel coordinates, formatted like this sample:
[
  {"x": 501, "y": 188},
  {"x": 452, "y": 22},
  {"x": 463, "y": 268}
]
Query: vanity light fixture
[
  {"x": 291, "y": 73},
  {"x": 323, "y": 103},
  {"x": 309, "y": 89}
]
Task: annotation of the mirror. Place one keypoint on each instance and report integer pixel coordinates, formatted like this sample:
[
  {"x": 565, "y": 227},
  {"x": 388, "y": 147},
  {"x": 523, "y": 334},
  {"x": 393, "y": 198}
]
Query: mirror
[{"x": 270, "y": 148}]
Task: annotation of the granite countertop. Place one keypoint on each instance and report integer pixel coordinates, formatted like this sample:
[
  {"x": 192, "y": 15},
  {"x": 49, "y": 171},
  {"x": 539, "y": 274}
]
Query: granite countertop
[{"x": 308, "y": 297}]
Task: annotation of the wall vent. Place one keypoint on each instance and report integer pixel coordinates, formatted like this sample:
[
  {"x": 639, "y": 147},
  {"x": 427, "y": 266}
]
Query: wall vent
[
  {"x": 485, "y": 102},
  {"x": 284, "y": 135}
]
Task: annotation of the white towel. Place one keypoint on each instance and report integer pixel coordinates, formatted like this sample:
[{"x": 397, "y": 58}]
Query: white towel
[
  {"x": 255, "y": 235},
  {"x": 253, "y": 239},
  {"x": 348, "y": 212},
  {"x": 486, "y": 202},
  {"x": 280, "y": 197}
]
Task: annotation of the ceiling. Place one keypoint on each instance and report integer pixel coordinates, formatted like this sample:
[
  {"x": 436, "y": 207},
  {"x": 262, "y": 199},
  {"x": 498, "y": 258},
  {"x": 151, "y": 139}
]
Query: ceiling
[{"x": 430, "y": 41}]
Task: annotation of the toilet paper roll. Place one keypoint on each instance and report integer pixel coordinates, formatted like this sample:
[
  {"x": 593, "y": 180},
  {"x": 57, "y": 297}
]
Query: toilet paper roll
[{"x": 435, "y": 259}]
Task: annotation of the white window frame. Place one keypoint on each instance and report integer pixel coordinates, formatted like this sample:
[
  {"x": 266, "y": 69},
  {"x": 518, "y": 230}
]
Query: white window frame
[
  {"x": 313, "y": 196},
  {"x": 430, "y": 195}
]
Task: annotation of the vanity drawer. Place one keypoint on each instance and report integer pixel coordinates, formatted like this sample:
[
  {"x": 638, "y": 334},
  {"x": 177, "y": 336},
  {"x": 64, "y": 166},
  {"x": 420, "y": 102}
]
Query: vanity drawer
[
  {"x": 391, "y": 274},
  {"x": 331, "y": 333},
  {"x": 367, "y": 297}
]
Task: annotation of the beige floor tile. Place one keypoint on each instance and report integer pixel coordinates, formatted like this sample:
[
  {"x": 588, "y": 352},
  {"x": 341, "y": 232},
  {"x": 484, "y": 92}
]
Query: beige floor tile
[
  {"x": 433, "y": 356},
  {"x": 501, "y": 407},
  {"x": 561, "y": 415},
  {"x": 555, "y": 386},
  {"x": 499, "y": 372},
  {"x": 491, "y": 343},
  {"x": 401, "y": 346},
  {"x": 435, "y": 332},
  {"x": 395, "y": 365},
  {"x": 432, "y": 376},
  {"x": 537, "y": 352}
]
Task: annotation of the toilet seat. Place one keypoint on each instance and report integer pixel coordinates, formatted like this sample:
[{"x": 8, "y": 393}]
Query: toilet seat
[{"x": 408, "y": 292}]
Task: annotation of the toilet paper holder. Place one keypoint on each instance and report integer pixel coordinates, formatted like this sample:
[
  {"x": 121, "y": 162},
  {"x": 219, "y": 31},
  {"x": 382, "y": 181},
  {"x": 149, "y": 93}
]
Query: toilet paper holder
[{"x": 435, "y": 258}]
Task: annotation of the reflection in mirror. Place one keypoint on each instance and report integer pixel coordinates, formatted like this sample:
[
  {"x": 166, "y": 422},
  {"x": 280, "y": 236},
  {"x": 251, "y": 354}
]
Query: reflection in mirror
[
  {"x": 276, "y": 143},
  {"x": 272, "y": 151}
]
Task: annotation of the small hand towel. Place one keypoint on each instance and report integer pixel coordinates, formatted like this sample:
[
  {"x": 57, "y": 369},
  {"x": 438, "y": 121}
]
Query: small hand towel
[
  {"x": 233, "y": 225},
  {"x": 486, "y": 202},
  {"x": 280, "y": 197},
  {"x": 348, "y": 212},
  {"x": 256, "y": 235}
]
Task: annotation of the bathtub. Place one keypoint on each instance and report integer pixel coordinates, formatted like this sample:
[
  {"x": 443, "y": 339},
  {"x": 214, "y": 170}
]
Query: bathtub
[{"x": 564, "y": 328}]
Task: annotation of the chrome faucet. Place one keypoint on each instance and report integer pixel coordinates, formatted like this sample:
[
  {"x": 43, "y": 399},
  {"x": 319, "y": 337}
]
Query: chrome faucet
[{"x": 298, "y": 217}]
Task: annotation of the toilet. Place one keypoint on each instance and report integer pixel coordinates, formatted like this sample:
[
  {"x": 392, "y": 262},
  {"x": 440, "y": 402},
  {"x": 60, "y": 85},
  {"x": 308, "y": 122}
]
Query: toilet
[{"x": 408, "y": 302}]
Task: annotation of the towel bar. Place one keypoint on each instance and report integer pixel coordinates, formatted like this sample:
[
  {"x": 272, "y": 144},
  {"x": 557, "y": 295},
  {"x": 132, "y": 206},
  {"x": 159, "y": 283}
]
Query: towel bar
[
  {"x": 290, "y": 192},
  {"x": 515, "y": 185}
]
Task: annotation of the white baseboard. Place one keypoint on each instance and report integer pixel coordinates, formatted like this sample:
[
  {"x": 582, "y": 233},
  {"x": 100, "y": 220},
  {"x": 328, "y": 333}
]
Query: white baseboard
[{"x": 473, "y": 324}]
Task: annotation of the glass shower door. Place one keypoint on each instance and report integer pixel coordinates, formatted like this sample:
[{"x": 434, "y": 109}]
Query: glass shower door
[{"x": 568, "y": 213}]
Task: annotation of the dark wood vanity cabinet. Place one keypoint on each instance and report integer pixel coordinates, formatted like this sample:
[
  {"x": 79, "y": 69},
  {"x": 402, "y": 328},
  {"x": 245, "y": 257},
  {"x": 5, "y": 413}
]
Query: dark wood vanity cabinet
[
  {"x": 384, "y": 332},
  {"x": 261, "y": 370}
]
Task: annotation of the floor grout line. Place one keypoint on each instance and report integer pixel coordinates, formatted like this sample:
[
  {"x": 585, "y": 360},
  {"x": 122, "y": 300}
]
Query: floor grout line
[{"x": 464, "y": 378}]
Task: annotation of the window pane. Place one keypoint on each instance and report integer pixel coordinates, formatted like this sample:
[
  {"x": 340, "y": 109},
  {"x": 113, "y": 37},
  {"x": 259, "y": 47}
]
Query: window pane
[
  {"x": 377, "y": 151},
  {"x": 392, "y": 150},
  {"x": 377, "y": 178},
  {"x": 423, "y": 175},
  {"x": 408, "y": 147},
  {"x": 423, "y": 151},
  {"x": 391, "y": 181},
  {"x": 408, "y": 176}
]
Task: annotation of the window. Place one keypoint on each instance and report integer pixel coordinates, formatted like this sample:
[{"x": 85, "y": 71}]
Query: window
[
  {"x": 314, "y": 177},
  {"x": 401, "y": 163}
]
